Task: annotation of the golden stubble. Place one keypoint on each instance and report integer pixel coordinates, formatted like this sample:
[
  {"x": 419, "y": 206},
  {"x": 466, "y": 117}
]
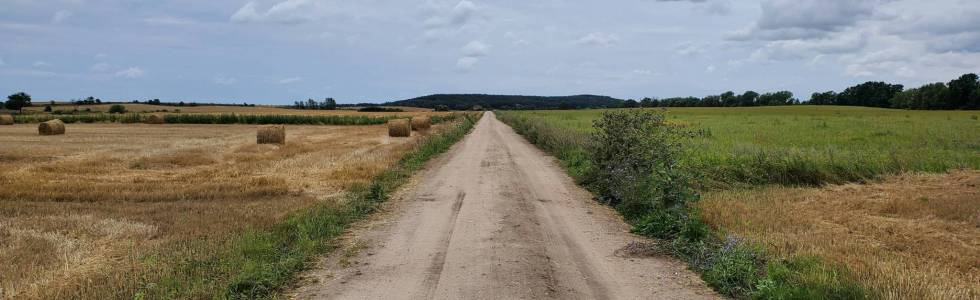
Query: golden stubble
[
  {"x": 913, "y": 236},
  {"x": 96, "y": 198}
]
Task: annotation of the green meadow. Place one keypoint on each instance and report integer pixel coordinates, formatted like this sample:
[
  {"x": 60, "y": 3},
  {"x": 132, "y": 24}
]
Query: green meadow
[{"x": 808, "y": 145}]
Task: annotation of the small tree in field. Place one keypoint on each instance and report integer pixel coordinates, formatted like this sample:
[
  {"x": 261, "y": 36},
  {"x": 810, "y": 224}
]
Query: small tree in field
[
  {"x": 117, "y": 109},
  {"x": 18, "y": 101}
]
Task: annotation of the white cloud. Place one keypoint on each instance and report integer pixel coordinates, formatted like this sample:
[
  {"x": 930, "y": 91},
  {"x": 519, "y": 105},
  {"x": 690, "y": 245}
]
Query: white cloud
[
  {"x": 643, "y": 72},
  {"x": 843, "y": 43},
  {"x": 476, "y": 49},
  {"x": 466, "y": 63},
  {"x": 101, "y": 67},
  {"x": 131, "y": 72},
  {"x": 61, "y": 16},
  {"x": 285, "y": 12},
  {"x": 446, "y": 21},
  {"x": 710, "y": 69},
  {"x": 598, "y": 39},
  {"x": 41, "y": 64},
  {"x": 247, "y": 13},
  {"x": 289, "y": 80},
  {"x": 806, "y": 19},
  {"x": 2, "y": 63},
  {"x": 101, "y": 56},
  {"x": 168, "y": 21},
  {"x": 221, "y": 80},
  {"x": 690, "y": 48}
]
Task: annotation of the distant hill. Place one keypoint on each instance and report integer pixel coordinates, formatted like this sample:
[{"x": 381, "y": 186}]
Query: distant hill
[{"x": 467, "y": 101}]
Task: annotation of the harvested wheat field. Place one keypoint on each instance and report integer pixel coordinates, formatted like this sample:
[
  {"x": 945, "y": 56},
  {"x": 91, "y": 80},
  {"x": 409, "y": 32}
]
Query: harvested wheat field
[
  {"x": 138, "y": 107},
  {"x": 92, "y": 214},
  {"x": 913, "y": 236}
]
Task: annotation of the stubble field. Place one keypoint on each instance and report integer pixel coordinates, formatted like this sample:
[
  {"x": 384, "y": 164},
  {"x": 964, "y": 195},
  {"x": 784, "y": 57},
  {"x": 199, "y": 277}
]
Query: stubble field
[{"x": 96, "y": 212}]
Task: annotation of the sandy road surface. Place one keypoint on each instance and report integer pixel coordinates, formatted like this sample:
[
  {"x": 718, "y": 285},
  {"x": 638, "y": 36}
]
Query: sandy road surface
[{"x": 495, "y": 218}]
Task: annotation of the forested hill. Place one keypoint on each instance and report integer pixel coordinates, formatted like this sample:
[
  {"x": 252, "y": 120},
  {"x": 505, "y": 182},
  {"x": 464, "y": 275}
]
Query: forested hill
[{"x": 468, "y": 101}]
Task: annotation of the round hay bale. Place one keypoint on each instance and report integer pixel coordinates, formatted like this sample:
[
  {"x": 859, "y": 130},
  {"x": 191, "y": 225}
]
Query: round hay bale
[
  {"x": 271, "y": 134},
  {"x": 6, "y": 120},
  {"x": 399, "y": 128},
  {"x": 421, "y": 123},
  {"x": 154, "y": 119},
  {"x": 53, "y": 127}
]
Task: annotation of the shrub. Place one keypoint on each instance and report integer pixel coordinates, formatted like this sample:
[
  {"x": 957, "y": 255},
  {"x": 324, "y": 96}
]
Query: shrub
[
  {"x": 635, "y": 158},
  {"x": 117, "y": 109}
]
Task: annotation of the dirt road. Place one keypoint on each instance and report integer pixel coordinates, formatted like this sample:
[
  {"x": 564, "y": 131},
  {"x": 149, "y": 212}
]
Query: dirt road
[{"x": 495, "y": 218}]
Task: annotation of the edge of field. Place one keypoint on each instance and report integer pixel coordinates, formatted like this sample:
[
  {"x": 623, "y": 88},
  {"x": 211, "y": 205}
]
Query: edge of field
[
  {"x": 259, "y": 263},
  {"x": 732, "y": 267}
]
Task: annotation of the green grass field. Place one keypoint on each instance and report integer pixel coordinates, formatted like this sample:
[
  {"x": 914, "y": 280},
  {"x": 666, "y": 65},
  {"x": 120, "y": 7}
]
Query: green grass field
[
  {"x": 736, "y": 155},
  {"x": 811, "y": 145}
]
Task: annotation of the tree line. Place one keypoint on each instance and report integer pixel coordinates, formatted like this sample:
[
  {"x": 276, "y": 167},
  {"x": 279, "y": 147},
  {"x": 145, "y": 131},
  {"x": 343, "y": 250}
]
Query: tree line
[
  {"x": 726, "y": 99},
  {"x": 326, "y": 104},
  {"x": 960, "y": 93},
  {"x": 507, "y": 102}
]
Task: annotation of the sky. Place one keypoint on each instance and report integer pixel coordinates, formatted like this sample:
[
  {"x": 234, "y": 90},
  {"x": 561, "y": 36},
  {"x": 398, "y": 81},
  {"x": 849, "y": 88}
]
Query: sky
[{"x": 280, "y": 51}]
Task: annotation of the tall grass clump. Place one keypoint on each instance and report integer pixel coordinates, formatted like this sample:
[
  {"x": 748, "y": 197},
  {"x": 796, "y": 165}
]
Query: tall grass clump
[
  {"x": 258, "y": 263},
  {"x": 633, "y": 160}
]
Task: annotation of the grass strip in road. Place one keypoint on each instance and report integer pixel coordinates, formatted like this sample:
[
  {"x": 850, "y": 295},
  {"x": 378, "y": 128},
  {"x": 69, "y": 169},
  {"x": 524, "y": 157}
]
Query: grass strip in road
[{"x": 260, "y": 262}]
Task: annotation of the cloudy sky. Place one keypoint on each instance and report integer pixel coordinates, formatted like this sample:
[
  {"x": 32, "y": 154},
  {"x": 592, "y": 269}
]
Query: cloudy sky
[{"x": 278, "y": 51}]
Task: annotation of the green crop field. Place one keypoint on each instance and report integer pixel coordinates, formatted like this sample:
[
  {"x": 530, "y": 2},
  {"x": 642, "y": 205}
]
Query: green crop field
[{"x": 810, "y": 145}]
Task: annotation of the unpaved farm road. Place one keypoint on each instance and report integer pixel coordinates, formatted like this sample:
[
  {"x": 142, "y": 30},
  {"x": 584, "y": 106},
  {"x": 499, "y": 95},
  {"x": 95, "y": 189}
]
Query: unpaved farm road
[{"x": 495, "y": 218}]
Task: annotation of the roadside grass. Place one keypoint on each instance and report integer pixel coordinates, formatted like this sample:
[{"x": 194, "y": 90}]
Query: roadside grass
[
  {"x": 734, "y": 265},
  {"x": 807, "y": 145},
  {"x": 227, "y": 118},
  {"x": 259, "y": 262}
]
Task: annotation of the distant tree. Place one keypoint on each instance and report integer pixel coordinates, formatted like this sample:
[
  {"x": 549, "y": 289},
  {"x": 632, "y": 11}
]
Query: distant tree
[
  {"x": 441, "y": 107},
  {"x": 181, "y": 103},
  {"x": 18, "y": 101},
  {"x": 963, "y": 92},
  {"x": 630, "y": 103},
  {"x": 117, "y": 109},
  {"x": 646, "y": 102},
  {"x": 47, "y": 108},
  {"x": 825, "y": 98},
  {"x": 748, "y": 98},
  {"x": 98, "y": 101},
  {"x": 871, "y": 93},
  {"x": 329, "y": 104},
  {"x": 777, "y": 98},
  {"x": 711, "y": 101},
  {"x": 728, "y": 99}
]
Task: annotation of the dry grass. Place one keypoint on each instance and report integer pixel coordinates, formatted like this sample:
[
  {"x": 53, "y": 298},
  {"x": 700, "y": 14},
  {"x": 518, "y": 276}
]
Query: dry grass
[
  {"x": 914, "y": 236},
  {"x": 75, "y": 209},
  {"x": 6, "y": 119}
]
